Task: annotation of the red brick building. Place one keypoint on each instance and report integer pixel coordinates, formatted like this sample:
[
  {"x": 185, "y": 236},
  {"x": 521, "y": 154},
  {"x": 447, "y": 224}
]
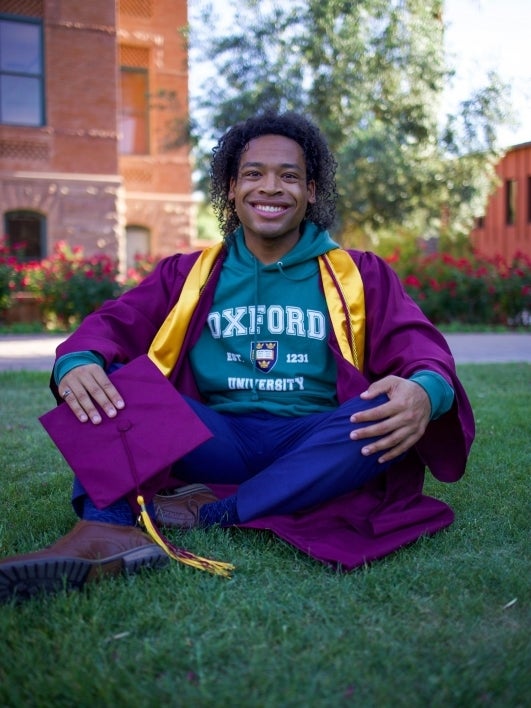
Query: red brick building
[
  {"x": 506, "y": 227},
  {"x": 93, "y": 110}
]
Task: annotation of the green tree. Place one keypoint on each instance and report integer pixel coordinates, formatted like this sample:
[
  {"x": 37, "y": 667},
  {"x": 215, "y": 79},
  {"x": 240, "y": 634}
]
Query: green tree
[{"x": 372, "y": 74}]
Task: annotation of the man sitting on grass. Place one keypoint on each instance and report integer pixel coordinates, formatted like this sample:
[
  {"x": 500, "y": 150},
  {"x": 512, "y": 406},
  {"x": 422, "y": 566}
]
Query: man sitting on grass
[{"x": 326, "y": 390}]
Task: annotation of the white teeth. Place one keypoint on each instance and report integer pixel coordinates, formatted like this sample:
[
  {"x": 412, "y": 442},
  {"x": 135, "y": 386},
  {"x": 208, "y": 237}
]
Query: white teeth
[{"x": 269, "y": 207}]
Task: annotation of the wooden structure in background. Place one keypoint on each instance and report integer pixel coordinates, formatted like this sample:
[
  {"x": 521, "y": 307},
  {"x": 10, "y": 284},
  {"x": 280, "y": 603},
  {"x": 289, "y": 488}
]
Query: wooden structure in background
[{"x": 505, "y": 230}]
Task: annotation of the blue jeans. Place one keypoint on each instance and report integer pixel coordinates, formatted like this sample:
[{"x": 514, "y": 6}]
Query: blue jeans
[{"x": 283, "y": 465}]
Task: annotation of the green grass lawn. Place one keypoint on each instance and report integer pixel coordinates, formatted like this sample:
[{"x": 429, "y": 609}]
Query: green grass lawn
[{"x": 444, "y": 622}]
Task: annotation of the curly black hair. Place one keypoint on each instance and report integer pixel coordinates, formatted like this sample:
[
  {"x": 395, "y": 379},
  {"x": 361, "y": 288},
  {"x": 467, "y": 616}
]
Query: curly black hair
[{"x": 320, "y": 165}]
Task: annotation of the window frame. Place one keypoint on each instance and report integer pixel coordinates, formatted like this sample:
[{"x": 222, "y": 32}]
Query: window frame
[
  {"x": 40, "y": 219},
  {"x": 144, "y": 72},
  {"x": 136, "y": 229},
  {"x": 40, "y": 77},
  {"x": 511, "y": 201}
]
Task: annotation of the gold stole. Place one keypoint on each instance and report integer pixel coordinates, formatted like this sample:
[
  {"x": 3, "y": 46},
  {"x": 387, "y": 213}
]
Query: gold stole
[
  {"x": 343, "y": 290},
  {"x": 167, "y": 344}
]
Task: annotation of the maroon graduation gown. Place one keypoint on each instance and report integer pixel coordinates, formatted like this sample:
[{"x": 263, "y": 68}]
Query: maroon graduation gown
[{"x": 390, "y": 511}]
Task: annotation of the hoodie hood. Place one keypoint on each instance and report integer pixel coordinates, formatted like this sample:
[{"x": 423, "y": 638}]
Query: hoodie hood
[{"x": 297, "y": 263}]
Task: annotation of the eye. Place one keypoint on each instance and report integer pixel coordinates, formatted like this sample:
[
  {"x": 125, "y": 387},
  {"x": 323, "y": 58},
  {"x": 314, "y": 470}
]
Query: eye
[{"x": 290, "y": 176}]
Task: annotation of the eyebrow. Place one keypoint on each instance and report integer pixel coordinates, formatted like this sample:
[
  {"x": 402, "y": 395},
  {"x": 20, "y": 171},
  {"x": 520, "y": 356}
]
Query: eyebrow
[{"x": 284, "y": 165}]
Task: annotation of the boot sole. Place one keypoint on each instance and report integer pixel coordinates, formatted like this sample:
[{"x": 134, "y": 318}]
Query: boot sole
[{"x": 22, "y": 580}]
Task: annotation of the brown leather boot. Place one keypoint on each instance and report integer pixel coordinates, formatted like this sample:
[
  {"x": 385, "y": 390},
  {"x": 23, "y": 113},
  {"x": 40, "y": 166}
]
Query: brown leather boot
[
  {"x": 180, "y": 510},
  {"x": 88, "y": 552}
]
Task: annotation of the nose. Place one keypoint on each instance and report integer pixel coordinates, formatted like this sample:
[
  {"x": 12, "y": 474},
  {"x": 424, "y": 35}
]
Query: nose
[{"x": 271, "y": 183}]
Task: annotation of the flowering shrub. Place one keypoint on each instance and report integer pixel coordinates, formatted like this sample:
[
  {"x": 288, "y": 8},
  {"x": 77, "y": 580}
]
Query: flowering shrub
[
  {"x": 67, "y": 285},
  {"x": 473, "y": 290},
  {"x": 6, "y": 277},
  {"x": 448, "y": 288},
  {"x": 71, "y": 285},
  {"x": 143, "y": 266},
  {"x": 11, "y": 277}
]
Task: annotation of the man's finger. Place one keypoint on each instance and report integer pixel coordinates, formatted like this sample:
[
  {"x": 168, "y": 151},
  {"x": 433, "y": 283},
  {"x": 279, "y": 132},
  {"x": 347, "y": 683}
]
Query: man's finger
[
  {"x": 86, "y": 386},
  {"x": 381, "y": 413},
  {"x": 79, "y": 411},
  {"x": 106, "y": 385}
]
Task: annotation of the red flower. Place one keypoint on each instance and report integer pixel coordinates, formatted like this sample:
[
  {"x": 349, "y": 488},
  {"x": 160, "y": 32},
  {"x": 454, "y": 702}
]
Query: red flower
[{"x": 412, "y": 281}]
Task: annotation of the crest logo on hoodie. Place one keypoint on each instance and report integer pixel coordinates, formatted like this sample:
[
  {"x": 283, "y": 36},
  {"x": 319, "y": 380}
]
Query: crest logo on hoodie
[{"x": 264, "y": 355}]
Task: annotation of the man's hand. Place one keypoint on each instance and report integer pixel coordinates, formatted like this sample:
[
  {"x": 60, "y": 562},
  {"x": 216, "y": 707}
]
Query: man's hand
[
  {"x": 87, "y": 384},
  {"x": 399, "y": 423}
]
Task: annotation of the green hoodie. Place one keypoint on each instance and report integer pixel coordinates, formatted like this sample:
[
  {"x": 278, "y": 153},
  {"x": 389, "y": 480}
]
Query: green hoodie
[{"x": 264, "y": 346}]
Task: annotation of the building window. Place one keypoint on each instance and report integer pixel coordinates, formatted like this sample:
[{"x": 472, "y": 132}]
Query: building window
[
  {"x": 26, "y": 234},
  {"x": 21, "y": 72},
  {"x": 134, "y": 125},
  {"x": 510, "y": 202},
  {"x": 529, "y": 200},
  {"x": 137, "y": 243}
]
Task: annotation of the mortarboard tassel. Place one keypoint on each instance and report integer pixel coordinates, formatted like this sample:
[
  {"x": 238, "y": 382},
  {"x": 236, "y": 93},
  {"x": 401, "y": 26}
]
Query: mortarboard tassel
[{"x": 180, "y": 554}]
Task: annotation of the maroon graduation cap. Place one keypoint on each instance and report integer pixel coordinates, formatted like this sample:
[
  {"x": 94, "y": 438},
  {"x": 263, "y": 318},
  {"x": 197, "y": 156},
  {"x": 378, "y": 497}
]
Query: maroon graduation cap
[{"x": 117, "y": 457}]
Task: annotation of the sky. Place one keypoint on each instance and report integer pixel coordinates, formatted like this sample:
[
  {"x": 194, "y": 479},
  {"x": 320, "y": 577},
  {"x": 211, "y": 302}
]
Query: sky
[
  {"x": 481, "y": 35},
  {"x": 492, "y": 34}
]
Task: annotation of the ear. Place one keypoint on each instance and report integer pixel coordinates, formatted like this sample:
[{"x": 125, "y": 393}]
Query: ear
[
  {"x": 311, "y": 192},
  {"x": 232, "y": 185}
]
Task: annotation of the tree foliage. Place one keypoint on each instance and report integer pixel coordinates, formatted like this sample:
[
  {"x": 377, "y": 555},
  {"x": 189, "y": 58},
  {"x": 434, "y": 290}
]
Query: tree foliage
[{"x": 372, "y": 74}]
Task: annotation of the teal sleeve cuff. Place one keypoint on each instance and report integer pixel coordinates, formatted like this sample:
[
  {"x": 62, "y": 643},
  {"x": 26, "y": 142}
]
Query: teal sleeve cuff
[
  {"x": 70, "y": 361},
  {"x": 439, "y": 391}
]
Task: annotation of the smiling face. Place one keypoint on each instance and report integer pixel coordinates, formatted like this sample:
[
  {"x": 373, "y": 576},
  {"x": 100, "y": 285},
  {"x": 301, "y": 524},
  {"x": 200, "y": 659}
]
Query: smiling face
[{"x": 271, "y": 194}]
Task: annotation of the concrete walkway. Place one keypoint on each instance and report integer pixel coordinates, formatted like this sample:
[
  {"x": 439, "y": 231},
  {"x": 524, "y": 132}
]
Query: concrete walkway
[
  {"x": 37, "y": 352},
  {"x": 490, "y": 348},
  {"x": 32, "y": 352}
]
